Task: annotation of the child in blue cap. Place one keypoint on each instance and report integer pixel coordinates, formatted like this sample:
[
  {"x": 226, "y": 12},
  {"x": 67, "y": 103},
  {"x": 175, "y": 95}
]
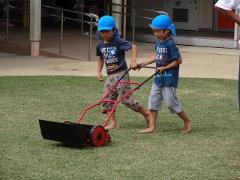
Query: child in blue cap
[
  {"x": 167, "y": 59},
  {"x": 111, "y": 51}
]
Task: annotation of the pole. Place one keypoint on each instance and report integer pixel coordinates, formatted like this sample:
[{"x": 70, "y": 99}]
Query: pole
[
  {"x": 110, "y": 8},
  {"x": 61, "y": 33},
  {"x": 25, "y": 14},
  {"x": 35, "y": 26},
  {"x": 90, "y": 40},
  {"x": 7, "y": 27},
  {"x": 118, "y": 14},
  {"x": 133, "y": 20},
  {"x": 124, "y": 18},
  {"x": 82, "y": 6}
]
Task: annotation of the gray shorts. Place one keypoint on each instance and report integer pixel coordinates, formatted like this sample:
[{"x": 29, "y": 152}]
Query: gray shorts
[{"x": 166, "y": 94}]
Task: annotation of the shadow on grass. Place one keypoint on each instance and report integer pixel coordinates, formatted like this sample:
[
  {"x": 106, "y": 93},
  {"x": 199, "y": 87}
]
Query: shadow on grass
[
  {"x": 80, "y": 147},
  {"x": 163, "y": 126},
  {"x": 175, "y": 127}
]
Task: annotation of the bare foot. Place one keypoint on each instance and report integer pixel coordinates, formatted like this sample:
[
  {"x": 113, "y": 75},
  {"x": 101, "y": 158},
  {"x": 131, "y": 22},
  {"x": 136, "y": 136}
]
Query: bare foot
[
  {"x": 112, "y": 126},
  {"x": 148, "y": 130},
  {"x": 187, "y": 127}
]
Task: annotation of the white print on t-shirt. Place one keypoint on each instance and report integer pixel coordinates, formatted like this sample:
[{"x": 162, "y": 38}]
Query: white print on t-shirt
[
  {"x": 109, "y": 54},
  {"x": 161, "y": 51}
]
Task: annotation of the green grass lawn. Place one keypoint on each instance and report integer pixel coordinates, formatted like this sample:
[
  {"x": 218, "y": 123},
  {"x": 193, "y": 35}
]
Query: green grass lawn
[{"x": 211, "y": 151}]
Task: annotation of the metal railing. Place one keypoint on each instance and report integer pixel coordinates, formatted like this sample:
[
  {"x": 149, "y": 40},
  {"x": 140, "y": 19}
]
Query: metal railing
[
  {"x": 133, "y": 15},
  {"x": 91, "y": 24},
  {"x": 10, "y": 7}
]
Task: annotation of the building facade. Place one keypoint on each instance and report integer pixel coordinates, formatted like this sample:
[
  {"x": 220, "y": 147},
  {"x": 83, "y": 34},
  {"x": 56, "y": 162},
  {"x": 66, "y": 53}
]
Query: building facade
[{"x": 197, "y": 22}]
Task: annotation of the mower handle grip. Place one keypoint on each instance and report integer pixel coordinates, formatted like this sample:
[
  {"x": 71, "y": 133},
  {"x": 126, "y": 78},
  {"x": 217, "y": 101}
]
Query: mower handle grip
[{"x": 147, "y": 67}]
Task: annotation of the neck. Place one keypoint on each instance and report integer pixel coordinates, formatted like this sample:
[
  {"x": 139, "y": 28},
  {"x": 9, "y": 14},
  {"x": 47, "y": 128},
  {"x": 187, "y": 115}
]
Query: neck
[
  {"x": 164, "y": 38},
  {"x": 106, "y": 41}
]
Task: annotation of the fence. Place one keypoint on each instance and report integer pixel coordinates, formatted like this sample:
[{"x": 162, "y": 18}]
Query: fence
[{"x": 93, "y": 19}]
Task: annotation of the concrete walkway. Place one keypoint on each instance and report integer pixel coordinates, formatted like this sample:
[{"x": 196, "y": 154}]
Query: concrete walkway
[{"x": 197, "y": 62}]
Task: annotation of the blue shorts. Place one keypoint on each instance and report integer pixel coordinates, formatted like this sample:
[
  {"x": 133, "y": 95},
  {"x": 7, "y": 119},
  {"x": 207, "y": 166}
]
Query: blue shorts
[{"x": 166, "y": 94}]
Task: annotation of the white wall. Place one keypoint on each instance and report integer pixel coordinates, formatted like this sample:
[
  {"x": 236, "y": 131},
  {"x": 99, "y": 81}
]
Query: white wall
[
  {"x": 205, "y": 14},
  {"x": 147, "y": 4}
]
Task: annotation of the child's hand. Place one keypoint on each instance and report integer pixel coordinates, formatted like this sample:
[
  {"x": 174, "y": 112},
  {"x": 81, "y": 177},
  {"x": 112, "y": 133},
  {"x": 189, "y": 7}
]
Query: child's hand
[
  {"x": 100, "y": 77},
  {"x": 140, "y": 65},
  {"x": 161, "y": 69},
  {"x": 134, "y": 66}
]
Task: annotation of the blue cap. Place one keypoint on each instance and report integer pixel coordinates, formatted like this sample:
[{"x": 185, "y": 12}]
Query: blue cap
[
  {"x": 106, "y": 23},
  {"x": 163, "y": 22}
]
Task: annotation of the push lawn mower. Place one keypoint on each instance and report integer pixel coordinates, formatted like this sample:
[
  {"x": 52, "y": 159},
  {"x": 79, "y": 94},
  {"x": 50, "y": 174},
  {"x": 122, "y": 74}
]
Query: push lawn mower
[{"x": 78, "y": 134}]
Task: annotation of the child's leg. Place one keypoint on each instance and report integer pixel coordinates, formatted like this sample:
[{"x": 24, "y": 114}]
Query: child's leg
[
  {"x": 187, "y": 122},
  {"x": 145, "y": 112},
  {"x": 154, "y": 103},
  {"x": 152, "y": 122},
  {"x": 112, "y": 123},
  {"x": 135, "y": 105},
  {"x": 175, "y": 106},
  {"x": 107, "y": 107},
  {"x": 130, "y": 102}
]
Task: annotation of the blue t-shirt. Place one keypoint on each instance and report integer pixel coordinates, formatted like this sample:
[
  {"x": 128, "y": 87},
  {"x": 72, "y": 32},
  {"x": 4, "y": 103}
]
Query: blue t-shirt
[
  {"x": 113, "y": 54},
  {"x": 166, "y": 53}
]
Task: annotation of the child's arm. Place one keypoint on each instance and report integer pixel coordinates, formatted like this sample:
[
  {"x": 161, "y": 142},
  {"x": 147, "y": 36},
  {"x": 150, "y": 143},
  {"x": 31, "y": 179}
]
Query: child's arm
[
  {"x": 133, "y": 63},
  {"x": 99, "y": 70},
  {"x": 230, "y": 14},
  {"x": 173, "y": 64},
  {"x": 150, "y": 61}
]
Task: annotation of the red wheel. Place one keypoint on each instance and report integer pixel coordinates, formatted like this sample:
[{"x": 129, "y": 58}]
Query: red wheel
[
  {"x": 97, "y": 135},
  {"x": 108, "y": 137}
]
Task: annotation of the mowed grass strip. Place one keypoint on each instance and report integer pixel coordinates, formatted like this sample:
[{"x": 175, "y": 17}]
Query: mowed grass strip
[{"x": 211, "y": 151}]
